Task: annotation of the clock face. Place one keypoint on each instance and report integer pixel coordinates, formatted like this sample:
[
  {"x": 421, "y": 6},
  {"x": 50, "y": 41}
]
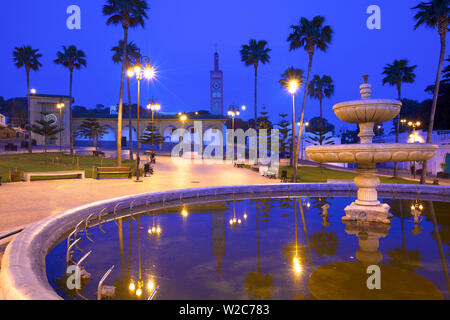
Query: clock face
[
  {"x": 216, "y": 84},
  {"x": 50, "y": 117}
]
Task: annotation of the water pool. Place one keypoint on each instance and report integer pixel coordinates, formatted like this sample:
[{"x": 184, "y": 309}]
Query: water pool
[{"x": 283, "y": 248}]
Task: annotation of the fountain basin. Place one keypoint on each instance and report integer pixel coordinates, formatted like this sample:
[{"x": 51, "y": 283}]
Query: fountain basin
[
  {"x": 368, "y": 110},
  {"x": 372, "y": 153}
]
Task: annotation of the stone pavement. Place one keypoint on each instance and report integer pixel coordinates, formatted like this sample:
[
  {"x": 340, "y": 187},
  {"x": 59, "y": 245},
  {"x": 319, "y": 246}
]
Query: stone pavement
[{"x": 25, "y": 203}]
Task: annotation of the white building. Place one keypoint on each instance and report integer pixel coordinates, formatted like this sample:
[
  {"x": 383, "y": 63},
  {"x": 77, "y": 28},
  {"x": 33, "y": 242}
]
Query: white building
[{"x": 439, "y": 137}]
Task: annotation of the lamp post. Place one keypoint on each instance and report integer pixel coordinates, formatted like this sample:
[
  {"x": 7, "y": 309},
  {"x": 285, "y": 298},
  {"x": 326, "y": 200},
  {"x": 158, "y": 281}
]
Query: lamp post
[
  {"x": 293, "y": 86},
  {"x": 154, "y": 106},
  {"x": 141, "y": 69},
  {"x": 234, "y": 111},
  {"x": 414, "y": 125},
  {"x": 303, "y": 137},
  {"x": 60, "y": 106},
  {"x": 182, "y": 118}
]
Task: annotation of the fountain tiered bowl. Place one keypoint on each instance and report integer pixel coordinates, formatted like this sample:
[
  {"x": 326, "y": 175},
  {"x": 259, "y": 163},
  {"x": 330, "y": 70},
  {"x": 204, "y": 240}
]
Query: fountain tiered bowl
[{"x": 366, "y": 113}]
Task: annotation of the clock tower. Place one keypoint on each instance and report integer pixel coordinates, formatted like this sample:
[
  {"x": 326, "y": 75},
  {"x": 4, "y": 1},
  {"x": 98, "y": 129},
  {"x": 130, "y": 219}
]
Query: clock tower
[{"x": 216, "y": 87}]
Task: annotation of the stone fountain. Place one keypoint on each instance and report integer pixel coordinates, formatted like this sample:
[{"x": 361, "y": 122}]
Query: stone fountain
[{"x": 366, "y": 113}]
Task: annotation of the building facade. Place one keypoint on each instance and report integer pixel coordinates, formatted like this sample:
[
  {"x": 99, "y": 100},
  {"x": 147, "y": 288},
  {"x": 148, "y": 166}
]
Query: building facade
[
  {"x": 216, "y": 87},
  {"x": 44, "y": 106}
]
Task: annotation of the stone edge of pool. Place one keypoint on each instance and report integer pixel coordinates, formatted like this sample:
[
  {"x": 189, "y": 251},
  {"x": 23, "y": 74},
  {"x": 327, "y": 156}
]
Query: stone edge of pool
[{"x": 23, "y": 275}]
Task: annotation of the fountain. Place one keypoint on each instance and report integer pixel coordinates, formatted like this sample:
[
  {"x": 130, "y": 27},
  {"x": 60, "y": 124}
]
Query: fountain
[{"x": 366, "y": 113}]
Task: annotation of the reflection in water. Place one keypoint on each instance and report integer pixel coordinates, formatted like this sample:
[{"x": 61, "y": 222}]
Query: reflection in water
[
  {"x": 258, "y": 285},
  {"x": 218, "y": 238},
  {"x": 274, "y": 262}
]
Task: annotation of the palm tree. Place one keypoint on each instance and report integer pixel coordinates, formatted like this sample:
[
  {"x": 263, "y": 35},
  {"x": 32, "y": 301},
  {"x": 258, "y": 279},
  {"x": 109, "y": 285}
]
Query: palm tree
[
  {"x": 133, "y": 52},
  {"x": 396, "y": 74},
  {"x": 319, "y": 88},
  {"x": 257, "y": 284},
  {"x": 309, "y": 34},
  {"x": 435, "y": 13},
  {"x": 252, "y": 54},
  {"x": 27, "y": 57},
  {"x": 292, "y": 74},
  {"x": 130, "y": 13},
  {"x": 71, "y": 58}
]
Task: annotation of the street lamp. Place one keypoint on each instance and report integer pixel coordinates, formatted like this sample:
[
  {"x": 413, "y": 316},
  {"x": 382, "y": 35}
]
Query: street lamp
[
  {"x": 233, "y": 111},
  {"x": 292, "y": 86},
  {"x": 140, "y": 69},
  {"x": 303, "y": 136},
  {"x": 60, "y": 106},
  {"x": 154, "y": 106},
  {"x": 414, "y": 125}
]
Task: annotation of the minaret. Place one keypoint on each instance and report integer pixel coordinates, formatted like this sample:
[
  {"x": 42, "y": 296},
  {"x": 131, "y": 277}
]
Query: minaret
[{"x": 216, "y": 87}]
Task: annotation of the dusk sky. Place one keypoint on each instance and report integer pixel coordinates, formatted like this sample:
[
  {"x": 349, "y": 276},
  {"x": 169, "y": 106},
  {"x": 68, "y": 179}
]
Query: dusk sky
[{"x": 180, "y": 38}]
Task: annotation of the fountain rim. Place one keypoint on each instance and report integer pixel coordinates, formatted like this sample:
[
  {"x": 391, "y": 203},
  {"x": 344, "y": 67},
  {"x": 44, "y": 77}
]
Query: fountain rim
[
  {"x": 367, "y": 103},
  {"x": 23, "y": 273}
]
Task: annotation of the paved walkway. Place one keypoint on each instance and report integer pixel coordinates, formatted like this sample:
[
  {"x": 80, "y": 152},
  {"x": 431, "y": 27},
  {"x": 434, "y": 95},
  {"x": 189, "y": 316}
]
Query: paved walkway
[{"x": 25, "y": 203}]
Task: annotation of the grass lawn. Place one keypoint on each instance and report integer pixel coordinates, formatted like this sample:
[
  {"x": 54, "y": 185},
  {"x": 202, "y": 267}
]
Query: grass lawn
[
  {"x": 314, "y": 174},
  {"x": 55, "y": 162}
]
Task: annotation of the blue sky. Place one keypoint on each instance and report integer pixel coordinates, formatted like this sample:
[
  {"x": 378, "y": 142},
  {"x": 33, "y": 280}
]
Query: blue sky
[{"x": 180, "y": 38}]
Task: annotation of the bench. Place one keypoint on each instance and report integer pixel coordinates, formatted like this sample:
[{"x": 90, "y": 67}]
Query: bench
[
  {"x": 98, "y": 153},
  {"x": 114, "y": 170},
  {"x": 27, "y": 175},
  {"x": 268, "y": 172}
]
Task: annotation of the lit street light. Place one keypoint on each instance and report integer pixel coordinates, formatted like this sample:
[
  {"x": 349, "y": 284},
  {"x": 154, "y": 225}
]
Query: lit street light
[
  {"x": 292, "y": 87},
  {"x": 60, "y": 106},
  {"x": 141, "y": 69},
  {"x": 154, "y": 106}
]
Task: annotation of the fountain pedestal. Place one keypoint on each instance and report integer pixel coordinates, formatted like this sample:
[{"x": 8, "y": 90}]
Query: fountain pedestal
[
  {"x": 366, "y": 113},
  {"x": 367, "y": 207}
]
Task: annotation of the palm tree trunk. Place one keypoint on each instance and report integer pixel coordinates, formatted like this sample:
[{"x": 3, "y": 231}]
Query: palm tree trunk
[
  {"x": 122, "y": 257},
  {"x": 439, "y": 243},
  {"x": 397, "y": 127},
  {"x": 130, "y": 132},
  {"x": 120, "y": 108},
  {"x": 256, "y": 113},
  {"x": 70, "y": 114},
  {"x": 435, "y": 99},
  {"x": 302, "y": 117},
  {"x": 30, "y": 148}
]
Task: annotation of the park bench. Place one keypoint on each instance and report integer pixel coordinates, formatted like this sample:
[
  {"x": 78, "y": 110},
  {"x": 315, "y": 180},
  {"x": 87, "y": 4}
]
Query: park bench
[
  {"x": 27, "y": 175},
  {"x": 98, "y": 153},
  {"x": 114, "y": 170}
]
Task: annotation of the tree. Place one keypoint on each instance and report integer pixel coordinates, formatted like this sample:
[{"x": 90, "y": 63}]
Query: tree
[
  {"x": 71, "y": 58},
  {"x": 310, "y": 35},
  {"x": 321, "y": 133},
  {"x": 435, "y": 13},
  {"x": 151, "y": 135},
  {"x": 27, "y": 57},
  {"x": 284, "y": 135},
  {"x": 349, "y": 136},
  {"x": 133, "y": 52},
  {"x": 257, "y": 284},
  {"x": 292, "y": 74},
  {"x": 397, "y": 73},
  {"x": 47, "y": 128},
  {"x": 253, "y": 54},
  {"x": 129, "y": 13},
  {"x": 92, "y": 130},
  {"x": 319, "y": 88}
]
